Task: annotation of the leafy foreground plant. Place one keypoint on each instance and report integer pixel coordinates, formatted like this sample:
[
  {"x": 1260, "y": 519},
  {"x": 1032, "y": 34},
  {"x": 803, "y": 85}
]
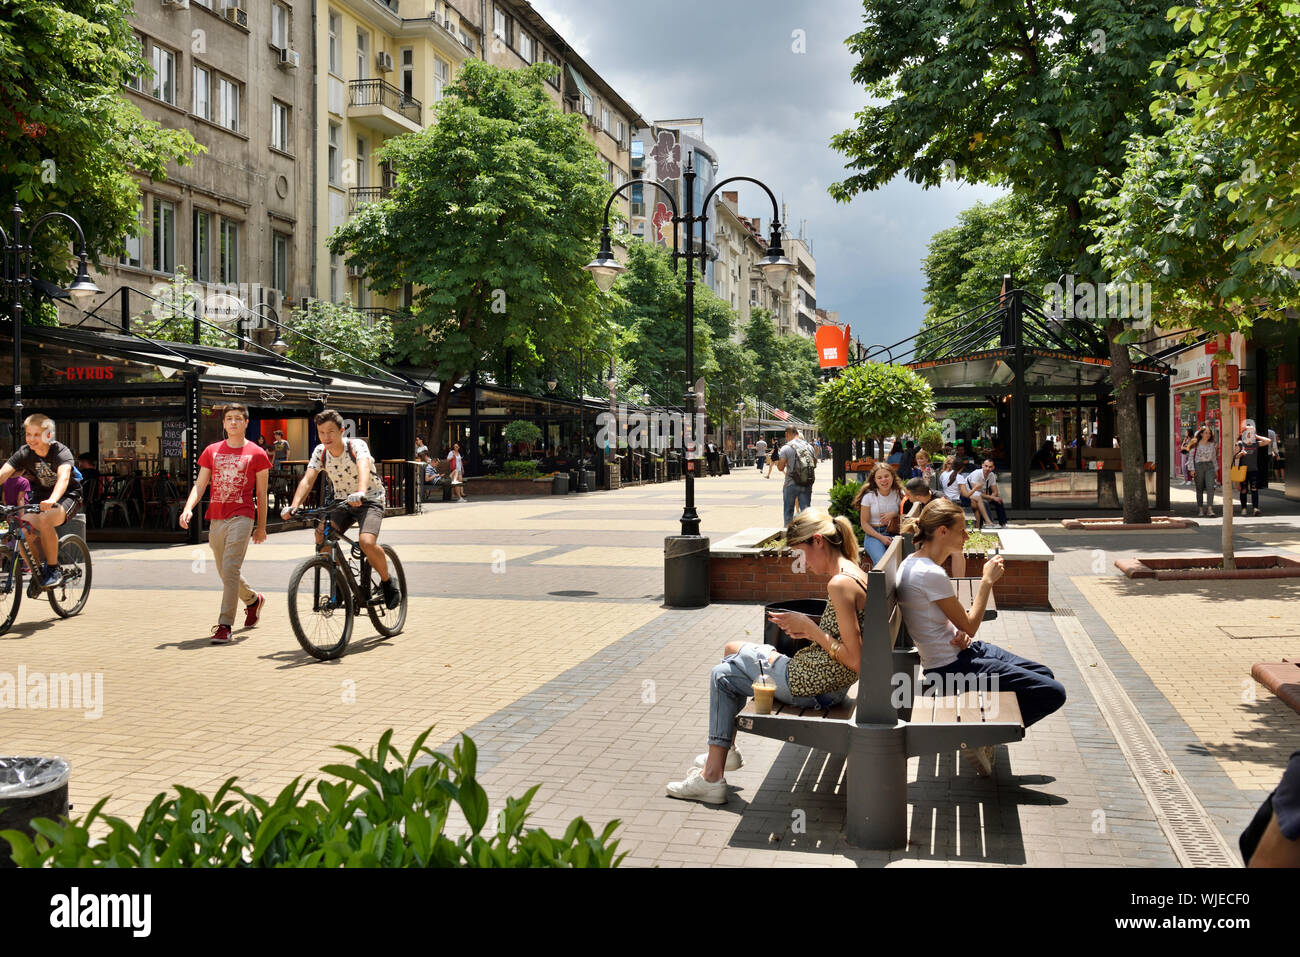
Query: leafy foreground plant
[{"x": 372, "y": 816}]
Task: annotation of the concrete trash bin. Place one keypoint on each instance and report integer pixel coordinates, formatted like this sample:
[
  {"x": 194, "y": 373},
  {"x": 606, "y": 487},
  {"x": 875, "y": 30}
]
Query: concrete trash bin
[
  {"x": 560, "y": 484},
  {"x": 30, "y": 788},
  {"x": 686, "y": 571}
]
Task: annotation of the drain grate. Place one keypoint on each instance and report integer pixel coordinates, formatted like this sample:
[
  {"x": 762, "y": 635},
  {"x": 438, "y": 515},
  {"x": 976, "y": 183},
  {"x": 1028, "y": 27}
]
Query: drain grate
[
  {"x": 1063, "y": 611},
  {"x": 1191, "y": 833}
]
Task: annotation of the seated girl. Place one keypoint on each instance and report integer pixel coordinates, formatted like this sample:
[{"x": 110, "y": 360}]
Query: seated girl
[
  {"x": 939, "y": 626},
  {"x": 817, "y": 676},
  {"x": 877, "y": 501}
]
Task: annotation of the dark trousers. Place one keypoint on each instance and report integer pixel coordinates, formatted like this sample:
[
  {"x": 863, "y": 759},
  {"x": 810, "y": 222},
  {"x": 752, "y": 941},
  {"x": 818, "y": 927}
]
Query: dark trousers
[
  {"x": 1037, "y": 691},
  {"x": 1250, "y": 485}
]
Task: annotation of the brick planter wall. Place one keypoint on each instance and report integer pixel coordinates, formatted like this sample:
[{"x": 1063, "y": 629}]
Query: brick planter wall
[
  {"x": 1023, "y": 583},
  {"x": 492, "y": 486},
  {"x": 763, "y": 578}
]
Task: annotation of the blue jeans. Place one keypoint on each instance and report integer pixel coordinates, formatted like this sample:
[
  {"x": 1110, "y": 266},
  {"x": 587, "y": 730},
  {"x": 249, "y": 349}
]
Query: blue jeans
[
  {"x": 790, "y": 493},
  {"x": 732, "y": 684},
  {"x": 1037, "y": 691},
  {"x": 874, "y": 546}
]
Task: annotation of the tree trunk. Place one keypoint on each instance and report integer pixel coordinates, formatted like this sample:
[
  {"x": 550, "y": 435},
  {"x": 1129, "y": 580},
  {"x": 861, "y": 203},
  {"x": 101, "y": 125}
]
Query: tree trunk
[
  {"x": 1226, "y": 429},
  {"x": 438, "y": 430},
  {"x": 1137, "y": 509}
]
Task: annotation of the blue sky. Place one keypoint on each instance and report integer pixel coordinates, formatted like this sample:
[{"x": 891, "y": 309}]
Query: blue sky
[{"x": 770, "y": 112}]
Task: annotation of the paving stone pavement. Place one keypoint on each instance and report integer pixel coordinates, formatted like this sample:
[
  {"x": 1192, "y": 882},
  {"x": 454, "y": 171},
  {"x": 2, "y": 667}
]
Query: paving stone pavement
[{"x": 537, "y": 627}]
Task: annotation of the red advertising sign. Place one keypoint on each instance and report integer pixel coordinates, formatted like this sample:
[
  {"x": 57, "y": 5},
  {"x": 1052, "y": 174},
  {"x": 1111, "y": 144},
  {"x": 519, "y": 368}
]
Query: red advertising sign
[
  {"x": 1212, "y": 347},
  {"x": 832, "y": 347},
  {"x": 1234, "y": 377}
]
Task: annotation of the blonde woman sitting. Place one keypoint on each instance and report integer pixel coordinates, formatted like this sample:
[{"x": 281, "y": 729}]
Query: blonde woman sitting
[{"x": 817, "y": 676}]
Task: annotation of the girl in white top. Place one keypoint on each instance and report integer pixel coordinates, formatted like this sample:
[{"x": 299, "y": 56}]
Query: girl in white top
[
  {"x": 876, "y": 501},
  {"x": 950, "y": 480},
  {"x": 944, "y": 632}
]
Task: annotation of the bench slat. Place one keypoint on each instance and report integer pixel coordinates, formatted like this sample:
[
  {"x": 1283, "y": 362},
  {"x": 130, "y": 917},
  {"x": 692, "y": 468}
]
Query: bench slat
[{"x": 972, "y": 707}]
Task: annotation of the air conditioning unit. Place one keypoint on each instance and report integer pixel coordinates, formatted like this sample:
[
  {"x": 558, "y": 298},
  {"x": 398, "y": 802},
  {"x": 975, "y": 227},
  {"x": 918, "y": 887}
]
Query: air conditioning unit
[
  {"x": 290, "y": 58},
  {"x": 174, "y": 3},
  {"x": 236, "y": 15},
  {"x": 273, "y": 299},
  {"x": 384, "y": 60}
]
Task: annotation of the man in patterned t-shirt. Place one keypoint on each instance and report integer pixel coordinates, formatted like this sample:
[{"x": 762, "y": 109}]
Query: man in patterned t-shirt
[
  {"x": 351, "y": 471},
  {"x": 236, "y": 467}
]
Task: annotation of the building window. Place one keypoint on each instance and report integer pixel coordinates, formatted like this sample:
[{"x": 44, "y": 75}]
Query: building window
[
  {"x": 502, "y": 25},
  {"x": 202, "y": 93},
  {"x": 202, "y": 246},
  {"x": 363, "y": 54},
  {"x": 280, "y": 126},
  {"x": 586, "y": 104},
  {"x": 526, "y": 46},
  {"x": 164, "y": 74},
  {"x": 336, "y": 53},
  {"x": 363, "y": 167},
  {"x": 441, "y": 77},
  {"x": 279, "y": 25},
  {"x": 228, "y": 103},
  {"x": 164, "y": 236},
  {"x": 228, "y": 271},
  {"x": 621, "y": 131},
  {"x": 408, "y": 72},
  {"x": 334, "y": 278},
  {"x": 334, "y": 152},
  {"x": 131, "y": 255},
  {"x": 136, "y": 81},
  {"x": 620, "y": 178},
  {"x": 280, "y": 263},
  {"x": 637, "y": 199},
  {"x": 547, "y": 57},
  {"x": 604, "y": 119}
]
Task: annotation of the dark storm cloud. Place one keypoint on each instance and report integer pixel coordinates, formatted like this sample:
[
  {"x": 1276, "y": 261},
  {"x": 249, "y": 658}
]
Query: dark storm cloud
[{"x": 770, "y": 113}]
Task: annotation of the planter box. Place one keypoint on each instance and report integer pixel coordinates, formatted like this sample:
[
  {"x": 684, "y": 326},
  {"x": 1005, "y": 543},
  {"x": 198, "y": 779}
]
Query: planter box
[
  {"x": 1188, "y": 569},
  {"x": 517, "y": 487},
  {"x": 740, "y": 571}
]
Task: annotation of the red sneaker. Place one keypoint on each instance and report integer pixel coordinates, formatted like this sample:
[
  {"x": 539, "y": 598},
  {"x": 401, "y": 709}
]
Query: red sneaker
[
  {"x": 221, "y": 635},
  {"x": 254, "y": 611}
]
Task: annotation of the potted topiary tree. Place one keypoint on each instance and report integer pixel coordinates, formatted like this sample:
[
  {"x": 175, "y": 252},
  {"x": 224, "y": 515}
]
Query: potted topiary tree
[{"x": 872, "y": 400}]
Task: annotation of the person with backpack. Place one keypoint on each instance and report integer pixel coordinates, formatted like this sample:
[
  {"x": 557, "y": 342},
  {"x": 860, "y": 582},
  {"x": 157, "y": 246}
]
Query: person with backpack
[
  {"x": 352, "y": 473},
  {"x": 797, "y": 460},
  {"x": 50, "y": 469}
]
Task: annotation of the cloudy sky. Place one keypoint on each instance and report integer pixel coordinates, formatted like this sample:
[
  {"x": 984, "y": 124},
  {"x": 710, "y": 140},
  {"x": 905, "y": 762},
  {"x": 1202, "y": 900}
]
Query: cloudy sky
[{"x": 770, "y": 113}]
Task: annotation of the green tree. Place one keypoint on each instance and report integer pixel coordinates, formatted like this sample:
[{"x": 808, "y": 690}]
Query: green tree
[
  {"x": 1166, "y": 221},
  {"x": 1033, "y": 97},
  {"x": 1239, "y": 69},
  {"x": 495, "y": 211},
  {"x": 70, "y": 139},
  {"x": 873, "y": 400},
  {"x": 343, "y": 335}
]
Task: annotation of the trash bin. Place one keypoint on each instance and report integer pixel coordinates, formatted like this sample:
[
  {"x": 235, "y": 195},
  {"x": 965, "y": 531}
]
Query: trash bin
[
  {"x": 686, "y": 571},
  {"x": 778, "y": 639},
  {"x": 591, "y": 479},
  {"x": 30, "y": 788},
  {"x": 560, "y": 484}
]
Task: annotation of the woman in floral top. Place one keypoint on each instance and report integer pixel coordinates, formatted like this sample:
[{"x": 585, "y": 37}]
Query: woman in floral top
[
  {"x": 816, "y": 676},
  {"x": 1204, "y": 454}
]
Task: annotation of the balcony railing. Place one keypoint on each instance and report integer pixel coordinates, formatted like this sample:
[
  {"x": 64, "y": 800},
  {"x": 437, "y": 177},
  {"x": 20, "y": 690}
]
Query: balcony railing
[
  {"x": 374, "y": 313},
  {"x": 382, "y": 93},
  {"x": 360, "y": 195}
]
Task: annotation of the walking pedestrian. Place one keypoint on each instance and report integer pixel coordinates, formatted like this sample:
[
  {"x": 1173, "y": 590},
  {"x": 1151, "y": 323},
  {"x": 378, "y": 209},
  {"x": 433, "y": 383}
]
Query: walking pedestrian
[
  {"x": 1250, "y": 445},
  {"x": 1188, "y": 451},
  {"x": 760, "y": 450},
  {"x": 238, "y": 472},
  {"x": 456, "y": 472},
  {"x": 1204, "y": 455},
  {"x": 797, "y": 461}
]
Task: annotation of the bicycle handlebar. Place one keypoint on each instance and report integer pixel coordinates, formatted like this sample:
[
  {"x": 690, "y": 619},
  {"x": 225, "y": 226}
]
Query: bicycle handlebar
[{"x": 33, "y": 509}]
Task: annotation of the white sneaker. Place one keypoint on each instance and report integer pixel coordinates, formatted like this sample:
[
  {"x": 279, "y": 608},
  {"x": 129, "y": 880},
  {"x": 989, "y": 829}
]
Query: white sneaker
[
  {"x": 695, "y": 788},
  {"x": 734, "y": 761}
]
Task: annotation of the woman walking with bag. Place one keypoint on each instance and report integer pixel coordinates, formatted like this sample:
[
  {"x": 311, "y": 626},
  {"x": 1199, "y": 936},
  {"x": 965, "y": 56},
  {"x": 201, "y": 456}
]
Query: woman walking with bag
[
  {"x": 1249, "y": 446},
  {"x": 1204, "y": 454}
]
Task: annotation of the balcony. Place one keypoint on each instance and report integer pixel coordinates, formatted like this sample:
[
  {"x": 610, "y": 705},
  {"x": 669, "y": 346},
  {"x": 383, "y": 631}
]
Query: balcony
[
  {"x": 382, "y": 107},
  {"x": 360, "y": 195}
]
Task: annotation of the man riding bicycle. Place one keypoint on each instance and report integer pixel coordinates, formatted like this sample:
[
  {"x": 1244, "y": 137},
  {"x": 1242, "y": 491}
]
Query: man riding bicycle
[
  {"x": 50, "y": 467},
  {"x": 351, "y": 471}
]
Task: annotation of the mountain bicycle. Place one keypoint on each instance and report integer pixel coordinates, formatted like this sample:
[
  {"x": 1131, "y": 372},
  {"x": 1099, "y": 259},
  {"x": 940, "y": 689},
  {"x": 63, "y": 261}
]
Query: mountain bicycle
[
  {"x": 20, "y": 553},
  {"x": 327, "y": 591}
]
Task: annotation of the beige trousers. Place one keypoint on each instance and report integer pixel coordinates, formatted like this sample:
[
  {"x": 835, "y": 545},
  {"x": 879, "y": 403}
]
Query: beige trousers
[{"x": 229, "y": 538}]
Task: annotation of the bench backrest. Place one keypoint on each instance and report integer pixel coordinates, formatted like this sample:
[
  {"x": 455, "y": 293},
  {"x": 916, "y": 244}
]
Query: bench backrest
[{"x": 884, "y": 628}]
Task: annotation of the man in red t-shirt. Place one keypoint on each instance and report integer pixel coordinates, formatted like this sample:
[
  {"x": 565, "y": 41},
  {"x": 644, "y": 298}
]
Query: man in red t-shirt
[{"x": 236, "y": 467}]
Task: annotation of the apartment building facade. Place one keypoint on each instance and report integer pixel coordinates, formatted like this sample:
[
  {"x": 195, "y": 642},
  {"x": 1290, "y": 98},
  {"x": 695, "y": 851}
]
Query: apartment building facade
[
  {"x": 238, "y": 77},
  {"x": 658, "y": 146},
  {"x": 738, "y": 280}
]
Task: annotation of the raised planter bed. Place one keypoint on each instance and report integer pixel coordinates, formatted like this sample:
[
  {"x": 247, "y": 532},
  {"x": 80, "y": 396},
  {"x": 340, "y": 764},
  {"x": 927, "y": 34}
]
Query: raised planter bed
[
  {"x": 1209, "y": 567},
  {"x": 1117, "y": 524},
  {"x": 740, "y": 569},
  {"x": 481, "y": 485}
]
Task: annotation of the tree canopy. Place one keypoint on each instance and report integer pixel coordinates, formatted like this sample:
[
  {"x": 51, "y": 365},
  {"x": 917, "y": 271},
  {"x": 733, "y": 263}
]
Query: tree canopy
[{"x": 872, "y": 400}]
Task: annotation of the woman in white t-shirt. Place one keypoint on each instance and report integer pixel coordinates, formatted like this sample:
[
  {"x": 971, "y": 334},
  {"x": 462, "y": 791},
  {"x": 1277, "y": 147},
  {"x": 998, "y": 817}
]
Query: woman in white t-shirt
[
  {"x": 877, "y": 501},
  {"x": 950, "y": 480},
  {"x": 944, "y": 632}
]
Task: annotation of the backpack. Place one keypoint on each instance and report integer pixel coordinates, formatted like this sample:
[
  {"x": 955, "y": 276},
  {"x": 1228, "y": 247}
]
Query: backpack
[{"x": 804, "y": 467}]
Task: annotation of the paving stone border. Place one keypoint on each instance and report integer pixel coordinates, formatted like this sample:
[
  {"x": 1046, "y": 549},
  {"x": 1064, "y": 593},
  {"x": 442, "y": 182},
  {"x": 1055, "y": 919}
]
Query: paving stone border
[
  {"x": 1111, "y": 525},
  {"x": 1189, "y": 569}
]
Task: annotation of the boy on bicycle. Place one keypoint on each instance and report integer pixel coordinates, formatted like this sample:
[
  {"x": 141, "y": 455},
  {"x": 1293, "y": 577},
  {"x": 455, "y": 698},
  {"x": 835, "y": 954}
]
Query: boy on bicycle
[
  {"x": 50, "y": 468},
  {"x": 351, "y": 471}
]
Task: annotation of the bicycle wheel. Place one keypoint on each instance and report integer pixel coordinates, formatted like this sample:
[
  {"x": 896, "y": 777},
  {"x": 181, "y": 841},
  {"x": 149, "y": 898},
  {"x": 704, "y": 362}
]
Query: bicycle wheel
[
  {"x": 320, "y": 608},
  {"x": 11, "y": 587},
  {"x": 69, "y": 596},
  {"x": 387, "y": 621}
]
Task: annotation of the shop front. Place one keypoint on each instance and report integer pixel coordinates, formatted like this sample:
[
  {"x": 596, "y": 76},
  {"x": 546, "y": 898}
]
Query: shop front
[{"x": 142, "y": 411}]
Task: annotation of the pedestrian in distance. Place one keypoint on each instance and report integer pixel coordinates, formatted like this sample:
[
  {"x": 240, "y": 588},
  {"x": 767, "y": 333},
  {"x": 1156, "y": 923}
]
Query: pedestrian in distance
[
  {"x": 1187, "y": 450},
  {"x": 1205, "y": 453},
  {"x": 919, "y": 492},
  {"x": 237, "y": 469},
  {"x": 817, "y": 676},
  {"x": 760, "y": 453},
  {"x": 797, "y": 460},
  {"x": 279, "y": 450},
  {"x": 1250, "y": 447},
  {"x": 456, "y": 472}
]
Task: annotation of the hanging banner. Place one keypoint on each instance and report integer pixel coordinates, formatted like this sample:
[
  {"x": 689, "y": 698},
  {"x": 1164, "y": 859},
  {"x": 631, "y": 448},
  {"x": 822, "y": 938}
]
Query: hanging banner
[{"x": 832, "y": 347}]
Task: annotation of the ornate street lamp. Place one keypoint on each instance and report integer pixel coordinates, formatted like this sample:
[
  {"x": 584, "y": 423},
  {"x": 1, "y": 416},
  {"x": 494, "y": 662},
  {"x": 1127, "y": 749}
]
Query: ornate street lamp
[{"x": 16, "y": 278}]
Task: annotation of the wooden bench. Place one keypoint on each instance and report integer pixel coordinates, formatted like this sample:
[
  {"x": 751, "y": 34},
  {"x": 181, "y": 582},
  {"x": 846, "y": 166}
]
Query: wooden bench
[
  {"x": 885, "y": 720},
  {"x": 1280, "y": 677}
]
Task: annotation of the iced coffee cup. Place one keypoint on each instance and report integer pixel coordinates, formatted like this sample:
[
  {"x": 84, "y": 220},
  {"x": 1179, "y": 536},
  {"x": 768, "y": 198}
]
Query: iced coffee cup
[{"x": 764, "y": 690}]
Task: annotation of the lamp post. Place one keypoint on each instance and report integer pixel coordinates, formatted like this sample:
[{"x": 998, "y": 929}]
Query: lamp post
[
  {"x": 279, "y": 346},
  {"x": 605, "y": 269},
  {"x": 17, "y": 278},
  {"x": 552, "y": 382}
]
